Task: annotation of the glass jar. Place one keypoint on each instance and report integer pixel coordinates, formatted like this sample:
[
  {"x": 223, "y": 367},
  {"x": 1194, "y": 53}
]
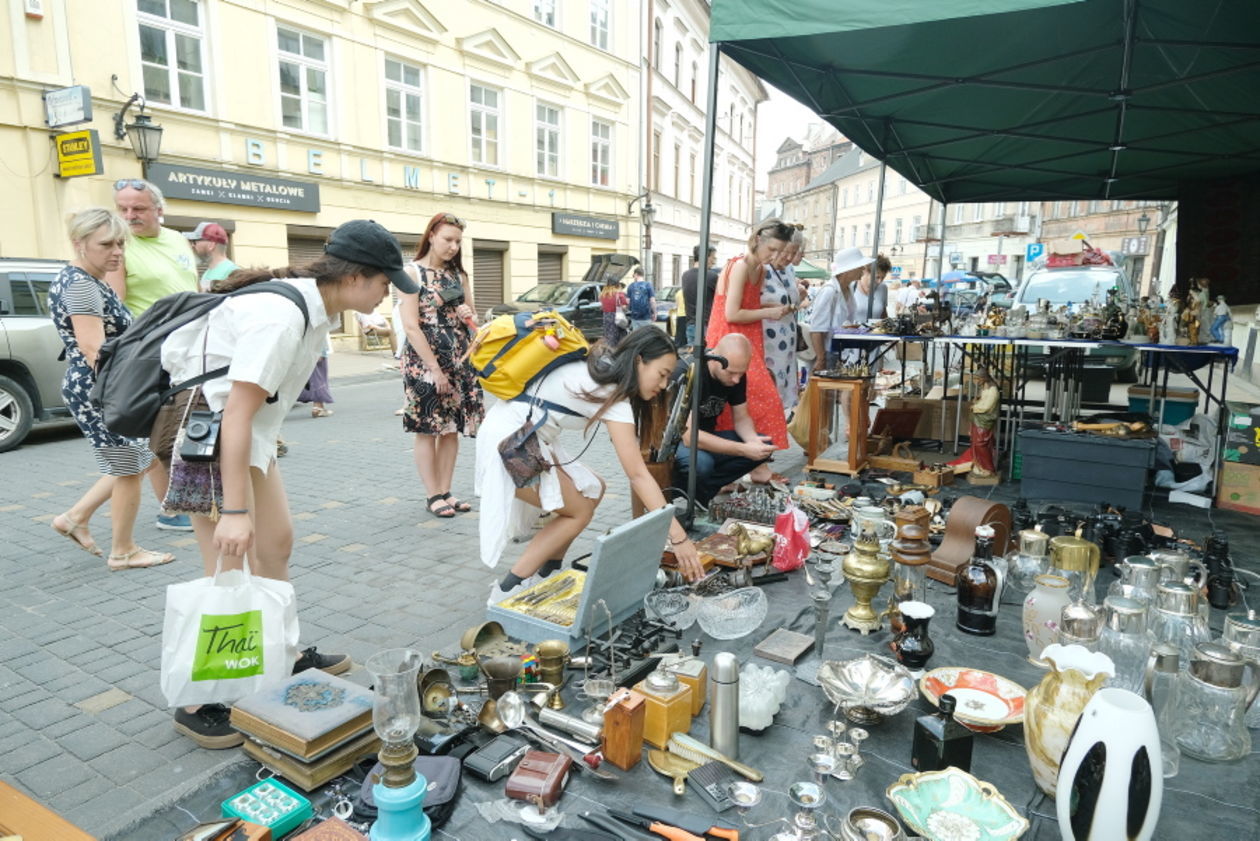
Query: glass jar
[
  {"x": 1177, "y": 619},
  {"x": 979, "y": 585},
  {"x": 1125, "y": 641},
  {"x": 1029, "y": 560},
  {"x": 1139, "y": 578},
  {"x": 1242, "y": 636},
  {"x": 1212, "y": 699},
  {"x": 1160, "y": 691}
]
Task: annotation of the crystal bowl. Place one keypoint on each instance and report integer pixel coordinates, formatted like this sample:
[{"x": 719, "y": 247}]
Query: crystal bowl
[
  {"x": 868, "y": 688},
  {"x": 734, "y": 614},
  {"x": 673, "y": 606}
]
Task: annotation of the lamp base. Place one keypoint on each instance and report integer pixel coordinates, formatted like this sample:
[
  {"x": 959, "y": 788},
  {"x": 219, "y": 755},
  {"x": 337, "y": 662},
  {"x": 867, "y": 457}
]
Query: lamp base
[{"x": 400, "y": 816}]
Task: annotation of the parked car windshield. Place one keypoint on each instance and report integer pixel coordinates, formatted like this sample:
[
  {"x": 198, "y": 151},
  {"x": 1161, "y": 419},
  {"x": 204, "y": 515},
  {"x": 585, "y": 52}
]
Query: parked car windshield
[
  {"x": 548, "y": 293},
  {"x": 1061, "y": 286}
]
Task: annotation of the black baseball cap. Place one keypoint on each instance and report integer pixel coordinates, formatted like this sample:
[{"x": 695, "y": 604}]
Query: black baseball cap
[{"x": 367, "y": 243}]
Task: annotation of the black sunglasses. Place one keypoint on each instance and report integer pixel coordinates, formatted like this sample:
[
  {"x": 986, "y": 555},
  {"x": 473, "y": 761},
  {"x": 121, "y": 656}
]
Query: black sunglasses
[{"x": 133, "y": 183}]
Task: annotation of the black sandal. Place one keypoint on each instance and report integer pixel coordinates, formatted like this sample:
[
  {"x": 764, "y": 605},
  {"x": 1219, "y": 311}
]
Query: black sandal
[
  {"x": 446, "y": 512},
  {"x": 458, "y": 504}
]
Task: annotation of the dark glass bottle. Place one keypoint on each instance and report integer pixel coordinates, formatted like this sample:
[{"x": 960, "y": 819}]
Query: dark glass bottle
[
  {"x": 978, "y": 587},
  {"x": 940, "y": 741}
]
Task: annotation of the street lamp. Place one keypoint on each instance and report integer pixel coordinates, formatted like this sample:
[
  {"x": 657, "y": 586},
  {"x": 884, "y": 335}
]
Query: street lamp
[
  {"x": 647, "y": 213},
  {"x": 144, "y": 134},
  {"x": 1143, "y": 222}
]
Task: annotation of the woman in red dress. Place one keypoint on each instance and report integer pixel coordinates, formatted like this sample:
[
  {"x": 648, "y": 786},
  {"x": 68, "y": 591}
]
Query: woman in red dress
[{"x": 737, "y": 309}]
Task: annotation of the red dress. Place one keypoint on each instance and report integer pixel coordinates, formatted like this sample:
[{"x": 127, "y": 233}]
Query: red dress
[{"x": 764, "y": 404}]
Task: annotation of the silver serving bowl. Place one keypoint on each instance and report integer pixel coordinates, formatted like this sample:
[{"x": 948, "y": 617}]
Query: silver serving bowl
[{"x": 869, "y": 688}]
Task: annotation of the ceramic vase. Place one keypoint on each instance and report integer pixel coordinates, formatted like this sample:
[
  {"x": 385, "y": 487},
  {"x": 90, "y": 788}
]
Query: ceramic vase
[
  {"x": 913, "y": 646},
  {"x": 1111, "y": 782},
  {"x": 1053, "y": 706},
  {"x": 1042, "y": 608}
]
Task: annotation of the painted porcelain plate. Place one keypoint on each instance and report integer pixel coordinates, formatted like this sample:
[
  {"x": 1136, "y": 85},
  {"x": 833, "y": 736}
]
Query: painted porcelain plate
[
  {"x": 952, "y": 805},
  {"x": 985, "y": 702}
]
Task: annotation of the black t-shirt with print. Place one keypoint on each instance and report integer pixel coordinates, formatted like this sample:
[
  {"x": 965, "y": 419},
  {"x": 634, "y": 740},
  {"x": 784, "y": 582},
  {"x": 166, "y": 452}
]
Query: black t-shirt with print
[{"x": 714, "y": 397}]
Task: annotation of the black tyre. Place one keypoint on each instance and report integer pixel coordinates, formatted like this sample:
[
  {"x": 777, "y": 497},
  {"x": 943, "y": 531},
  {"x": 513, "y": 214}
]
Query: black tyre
[{"x": 17, "y": 414}]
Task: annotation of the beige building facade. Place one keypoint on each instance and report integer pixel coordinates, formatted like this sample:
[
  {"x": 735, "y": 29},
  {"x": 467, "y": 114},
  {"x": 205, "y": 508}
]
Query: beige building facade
[{"x": 284, "y": 119}]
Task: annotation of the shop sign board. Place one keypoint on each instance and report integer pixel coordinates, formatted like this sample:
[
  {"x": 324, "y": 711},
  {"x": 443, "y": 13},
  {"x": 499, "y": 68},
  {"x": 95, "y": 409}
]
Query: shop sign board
[
  {"x": 576, "y": 225},
  {"x": 997, "y": 259},
  {"x": 68, "y": 106},
  {"x": 1134, "y": 245},
  {"x": 234, "y": 187},
  {"x": 78, "y": 153}
]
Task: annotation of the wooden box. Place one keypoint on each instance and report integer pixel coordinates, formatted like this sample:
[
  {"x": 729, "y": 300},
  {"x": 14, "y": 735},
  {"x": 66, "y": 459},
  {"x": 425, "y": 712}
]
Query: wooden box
[{"x": 624, "y": 719}]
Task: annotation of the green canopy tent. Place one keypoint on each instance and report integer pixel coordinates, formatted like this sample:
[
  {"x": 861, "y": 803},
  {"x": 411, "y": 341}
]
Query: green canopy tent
[
  {"x": 810, "y": 271},
  {"x": 998, "y": 100}
]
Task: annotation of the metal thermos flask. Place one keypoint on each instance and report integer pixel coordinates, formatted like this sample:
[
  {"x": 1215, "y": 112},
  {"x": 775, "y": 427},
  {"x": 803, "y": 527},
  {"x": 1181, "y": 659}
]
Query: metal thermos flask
[{"x": 724, "y": 705}]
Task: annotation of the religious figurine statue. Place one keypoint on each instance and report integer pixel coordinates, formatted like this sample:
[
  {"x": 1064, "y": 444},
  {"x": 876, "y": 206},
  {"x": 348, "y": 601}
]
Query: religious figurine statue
[
  {"x": 1222, "y": 322},
  {"x": 984, "y": 415},
  {"x": 1202, "y": 307},
  {"x": 1168, "y": 323},
  {"x": 1188, "y": 325}
]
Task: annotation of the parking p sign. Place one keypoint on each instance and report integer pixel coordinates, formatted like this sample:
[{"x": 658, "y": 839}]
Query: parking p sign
[{"x": 1034, "y": 250}]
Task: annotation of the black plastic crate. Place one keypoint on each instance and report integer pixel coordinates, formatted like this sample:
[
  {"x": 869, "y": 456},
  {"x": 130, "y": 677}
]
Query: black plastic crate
[{"x": 1084, "y": 468}]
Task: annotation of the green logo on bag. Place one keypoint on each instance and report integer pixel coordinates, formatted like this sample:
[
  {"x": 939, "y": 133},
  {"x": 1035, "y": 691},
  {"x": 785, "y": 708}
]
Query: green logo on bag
[{"x": 229, "y": 646}]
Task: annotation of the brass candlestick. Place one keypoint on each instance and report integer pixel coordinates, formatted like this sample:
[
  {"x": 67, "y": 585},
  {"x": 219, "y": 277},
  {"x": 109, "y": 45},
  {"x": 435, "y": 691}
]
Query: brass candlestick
[{"x": 866, "y": 572}]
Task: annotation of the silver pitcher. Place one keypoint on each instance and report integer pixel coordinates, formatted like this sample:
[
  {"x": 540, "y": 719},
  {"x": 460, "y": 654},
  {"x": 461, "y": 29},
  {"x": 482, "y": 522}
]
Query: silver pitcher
[
  {"x": 1242, "y": 636},
  {"x": 1212, "y": 702},
  {"x": 1139, "y": 577},
  {"x": 1177, "y": 618},
  {"x": 1176, "y": 565}
]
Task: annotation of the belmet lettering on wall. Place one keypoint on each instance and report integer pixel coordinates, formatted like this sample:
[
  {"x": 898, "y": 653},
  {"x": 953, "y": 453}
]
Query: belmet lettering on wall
[
  {"x": 240, "y": 187},
  {"x": 574, "y": 225}
]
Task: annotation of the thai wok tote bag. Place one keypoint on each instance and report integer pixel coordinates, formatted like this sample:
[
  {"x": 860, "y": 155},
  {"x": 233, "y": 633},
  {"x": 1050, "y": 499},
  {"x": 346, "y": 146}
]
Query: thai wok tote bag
[{"x": 227, "y": 636}]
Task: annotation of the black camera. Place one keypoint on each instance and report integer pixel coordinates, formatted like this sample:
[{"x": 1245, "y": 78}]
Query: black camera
[
  {"x": 451, "y": 295},
  {"x": 201, "y": 436}
]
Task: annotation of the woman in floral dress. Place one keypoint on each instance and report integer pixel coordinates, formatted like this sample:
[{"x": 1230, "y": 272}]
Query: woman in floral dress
[
  {"x": 737, "y": 308},
  {"x": 86, "y": 312},
  {"x": 443, "y": 398}
]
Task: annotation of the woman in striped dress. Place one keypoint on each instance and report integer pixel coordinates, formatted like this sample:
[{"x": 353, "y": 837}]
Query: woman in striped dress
[{"x": 86, "y": 312}]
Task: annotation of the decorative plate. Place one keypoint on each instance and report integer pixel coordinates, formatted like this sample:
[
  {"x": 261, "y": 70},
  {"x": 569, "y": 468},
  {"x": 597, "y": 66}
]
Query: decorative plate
[
  {"x": 985, "y": 702},
  {"x": 952, "y": 805}
]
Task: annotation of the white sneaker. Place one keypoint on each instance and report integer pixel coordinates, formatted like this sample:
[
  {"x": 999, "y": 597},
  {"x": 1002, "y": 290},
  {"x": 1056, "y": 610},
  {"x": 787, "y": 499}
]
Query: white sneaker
[{"x": 497, "y": 595}]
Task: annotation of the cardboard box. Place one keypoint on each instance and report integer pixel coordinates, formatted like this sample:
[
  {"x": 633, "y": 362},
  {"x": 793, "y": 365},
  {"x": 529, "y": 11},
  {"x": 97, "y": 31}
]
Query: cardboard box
[
  {"x": 938, "y": 418},
  {"x": 1242, "y": 433},
  {"x": 1238, "y": 487}
]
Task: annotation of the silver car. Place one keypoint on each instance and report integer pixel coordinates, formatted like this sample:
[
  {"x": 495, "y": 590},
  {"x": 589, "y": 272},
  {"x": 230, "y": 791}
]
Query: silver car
[{"x": 31, "y": 367}]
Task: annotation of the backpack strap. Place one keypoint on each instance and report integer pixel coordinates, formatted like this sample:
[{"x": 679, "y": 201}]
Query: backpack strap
[
  {"x": 546, "y": 405},
  {"x": 285, "y": 290}
]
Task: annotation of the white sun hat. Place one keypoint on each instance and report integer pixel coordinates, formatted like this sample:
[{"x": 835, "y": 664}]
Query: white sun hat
[{"x": 849, "y": 259}]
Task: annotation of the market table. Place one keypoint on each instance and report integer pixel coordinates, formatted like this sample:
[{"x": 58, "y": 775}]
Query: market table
[{"x": 1203, "y": 801}]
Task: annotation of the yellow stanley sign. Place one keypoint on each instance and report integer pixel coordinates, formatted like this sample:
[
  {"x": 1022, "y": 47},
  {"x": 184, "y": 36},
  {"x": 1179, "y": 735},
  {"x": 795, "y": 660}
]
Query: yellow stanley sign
[{"x": 78, "y": 153}]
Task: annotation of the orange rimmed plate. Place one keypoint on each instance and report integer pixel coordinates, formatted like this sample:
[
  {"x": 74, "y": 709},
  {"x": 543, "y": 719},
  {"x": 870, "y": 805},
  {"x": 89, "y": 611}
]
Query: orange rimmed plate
[{"x": 984, "y": 702}]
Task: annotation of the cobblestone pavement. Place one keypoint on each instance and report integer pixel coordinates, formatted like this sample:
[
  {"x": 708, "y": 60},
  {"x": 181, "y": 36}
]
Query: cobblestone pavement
[{"x": 83, "y": 725}]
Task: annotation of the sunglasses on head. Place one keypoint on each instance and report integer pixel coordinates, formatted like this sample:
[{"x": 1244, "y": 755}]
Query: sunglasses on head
[
  {"x": 133, "y": 183},
  {"x": 452, "y": 219}
]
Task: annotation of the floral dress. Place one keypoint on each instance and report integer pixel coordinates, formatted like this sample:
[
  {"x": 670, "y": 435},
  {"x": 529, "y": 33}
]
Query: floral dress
[
  {"x": 779, "y": 288},
  {"x": 462, "y": 408},
  {"x": 764, "y": 404},
  {"x": 75, "y": 292}
]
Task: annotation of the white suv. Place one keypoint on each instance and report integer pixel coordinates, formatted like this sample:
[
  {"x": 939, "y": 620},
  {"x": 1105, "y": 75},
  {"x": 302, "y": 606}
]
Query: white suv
[{"x": 31, "y": 368}]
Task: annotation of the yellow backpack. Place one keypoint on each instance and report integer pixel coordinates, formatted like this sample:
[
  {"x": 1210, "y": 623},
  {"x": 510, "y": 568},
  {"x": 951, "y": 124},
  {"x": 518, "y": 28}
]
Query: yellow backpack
[{"x": 512, "y": 350}]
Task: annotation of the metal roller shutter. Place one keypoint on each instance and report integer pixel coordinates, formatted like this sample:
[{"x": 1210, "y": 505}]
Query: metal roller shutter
[
  {"x": 487, "y": 278},
  {"x": 303, "y": 250},
  {"x": 550, "y": 267}
]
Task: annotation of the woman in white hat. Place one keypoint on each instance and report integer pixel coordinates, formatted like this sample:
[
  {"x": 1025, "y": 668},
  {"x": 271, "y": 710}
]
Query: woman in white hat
[{"x": 833, "y": 304}]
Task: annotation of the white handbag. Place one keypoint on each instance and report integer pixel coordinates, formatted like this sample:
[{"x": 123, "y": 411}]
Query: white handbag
[{"x": 227, "y": 636}]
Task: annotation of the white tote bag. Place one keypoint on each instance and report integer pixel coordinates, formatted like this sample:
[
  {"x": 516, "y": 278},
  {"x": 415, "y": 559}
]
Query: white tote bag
[{"x": 227, "y": 636}]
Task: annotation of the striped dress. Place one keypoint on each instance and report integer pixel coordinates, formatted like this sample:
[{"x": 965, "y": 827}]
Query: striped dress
[{"x": 75, "y": 292}]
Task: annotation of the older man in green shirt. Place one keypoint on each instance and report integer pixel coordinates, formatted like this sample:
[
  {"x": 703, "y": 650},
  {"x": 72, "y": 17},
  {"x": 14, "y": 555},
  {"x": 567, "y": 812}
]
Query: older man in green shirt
[{"x": 157, "y": 262}]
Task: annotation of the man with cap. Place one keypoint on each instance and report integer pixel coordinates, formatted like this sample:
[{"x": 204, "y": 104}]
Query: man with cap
[
  {"x": 157, "y": 262},
  {"x": 832, "y": 303},
  {"x": 209, "y": 243}
]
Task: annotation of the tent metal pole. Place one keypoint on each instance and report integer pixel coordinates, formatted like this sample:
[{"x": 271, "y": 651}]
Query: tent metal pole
[
  {"x": 706, "y": 211},
  {"x": 873, "y": 269}
]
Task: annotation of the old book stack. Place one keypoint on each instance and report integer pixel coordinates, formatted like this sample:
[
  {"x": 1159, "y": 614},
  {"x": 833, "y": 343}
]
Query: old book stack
[{"x": 309, "y": 729}]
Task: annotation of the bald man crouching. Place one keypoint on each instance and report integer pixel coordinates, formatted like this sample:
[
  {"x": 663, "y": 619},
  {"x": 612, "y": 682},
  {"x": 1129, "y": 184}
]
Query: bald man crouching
[{"x": 723, "y": 456}]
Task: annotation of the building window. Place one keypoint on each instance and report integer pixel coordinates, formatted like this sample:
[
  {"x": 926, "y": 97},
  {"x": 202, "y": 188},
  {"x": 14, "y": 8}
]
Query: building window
[
  {"x": 656, "y": 161},
  {"x": 897, "y": 230},
  {"x": 601, "y": 153},
  {"x": 695, "y": 81},
  {"x": 740, "y": 137},
  {"x": 545, "y": 12},
  {"x": 691, "y": 177},
  {"x": 404, "y": 99},
  {"x": 547, "y": 140},
  {"x": 866, "y": 234},
  {"x": 658, "y": 35},
  {"x": 918, "y": 221},
  {"x": 483, "y": 108},
  {"x": 999, "y": 208},
  {"x": 977, "y": 211},
  {"x": 844, "y": 197},
  {"x": 853, "y": 237},
  {"x": 905, "y": 184},
  {"x": 870, "y": 191},
  {"x": 677, "y": 171},
  {"x": 170, "y": 52},
  {"x": 303, "y": 80},
  {"x": 960, "y": 211},
  {"x": 883, "y": 230},
  {"x": 678, "y": 51},
  {"x": 1023, "y": 208},
  {"x": 601, "y": 14}
]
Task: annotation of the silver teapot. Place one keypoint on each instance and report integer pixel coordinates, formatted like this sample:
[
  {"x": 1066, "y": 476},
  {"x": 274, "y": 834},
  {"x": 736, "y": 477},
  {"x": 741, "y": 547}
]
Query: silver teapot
[
  {"x": 1212, "y": 703},
  {"x": 1176, "y": 565},
  {"x": 1139, "y": 576}
]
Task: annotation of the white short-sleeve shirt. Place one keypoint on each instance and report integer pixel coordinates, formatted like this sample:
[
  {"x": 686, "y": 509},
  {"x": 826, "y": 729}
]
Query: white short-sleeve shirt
[
  {"x": 261, "y": 340},
  {"x": 830, "y": 311}
]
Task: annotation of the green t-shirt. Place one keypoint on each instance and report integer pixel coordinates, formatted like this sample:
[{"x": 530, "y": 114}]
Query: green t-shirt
[
  {"x": 158, "y": 266},
  {"x": 218, "y": 272}
]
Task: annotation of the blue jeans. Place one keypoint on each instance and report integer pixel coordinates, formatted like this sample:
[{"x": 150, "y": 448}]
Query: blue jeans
[
  {"x": 713, "y": 470},
  {"x": 1218, "y": 328},
  {"x": 691, "y": 332}
]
